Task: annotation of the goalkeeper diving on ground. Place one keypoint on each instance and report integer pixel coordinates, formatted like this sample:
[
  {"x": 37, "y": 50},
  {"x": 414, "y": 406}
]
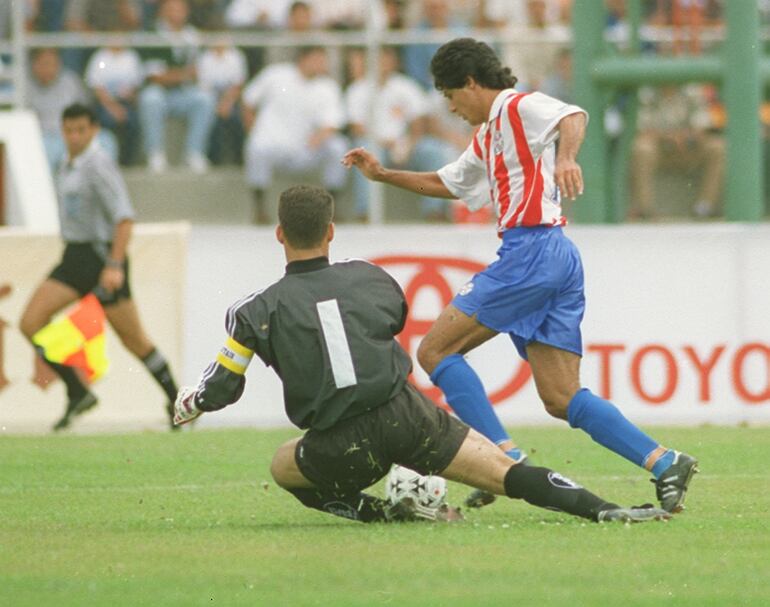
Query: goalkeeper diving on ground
[{"x": 328, "y": 330}]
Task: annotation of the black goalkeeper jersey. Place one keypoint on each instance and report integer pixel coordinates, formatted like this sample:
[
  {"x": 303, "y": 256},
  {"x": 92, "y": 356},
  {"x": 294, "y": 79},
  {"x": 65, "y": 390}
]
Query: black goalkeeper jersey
[{"x": 328, "y": 332}]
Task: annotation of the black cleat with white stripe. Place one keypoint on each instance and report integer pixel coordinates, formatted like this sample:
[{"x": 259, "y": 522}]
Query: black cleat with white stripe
[{"x": 671, "y": 487}]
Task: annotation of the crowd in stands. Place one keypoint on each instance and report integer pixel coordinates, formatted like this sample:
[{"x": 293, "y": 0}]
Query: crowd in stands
[{"x": 299, "y": 107}]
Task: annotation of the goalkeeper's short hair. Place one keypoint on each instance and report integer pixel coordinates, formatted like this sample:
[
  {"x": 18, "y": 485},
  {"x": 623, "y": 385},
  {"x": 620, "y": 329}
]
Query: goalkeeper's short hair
[{"x": 305, "y": 213}]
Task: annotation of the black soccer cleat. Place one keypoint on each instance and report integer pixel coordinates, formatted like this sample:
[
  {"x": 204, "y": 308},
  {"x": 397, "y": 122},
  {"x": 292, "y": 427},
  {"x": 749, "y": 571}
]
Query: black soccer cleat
[
  {"x": 170, "y": 413},
  {"x": 74, "y": 408},
  {"x": 671, "y": 487},
  {"x": 640, "y": 514},
  {"x": 479, "y": 498}
]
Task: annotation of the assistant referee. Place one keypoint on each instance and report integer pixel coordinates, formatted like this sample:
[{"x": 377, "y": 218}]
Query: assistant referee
[{"x": 96, "y": 219}]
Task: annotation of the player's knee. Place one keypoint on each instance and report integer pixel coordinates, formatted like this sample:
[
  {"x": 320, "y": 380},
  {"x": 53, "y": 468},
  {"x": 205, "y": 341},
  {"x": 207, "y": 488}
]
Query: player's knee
[
  {"x": 428, "y": 357},
  {"x": 555, "y": 405},
  {"x": 29, "y": 326},
  {"x": 283, "y": 465}
]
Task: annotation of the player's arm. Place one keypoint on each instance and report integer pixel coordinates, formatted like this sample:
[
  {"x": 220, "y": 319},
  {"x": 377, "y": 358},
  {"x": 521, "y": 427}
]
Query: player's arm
[
  {"x": 223, "y": 381},
  {"x": 426, "y": 184},
  {"x": 567, "y": 172},
  {"x": 110, "y": 189}
]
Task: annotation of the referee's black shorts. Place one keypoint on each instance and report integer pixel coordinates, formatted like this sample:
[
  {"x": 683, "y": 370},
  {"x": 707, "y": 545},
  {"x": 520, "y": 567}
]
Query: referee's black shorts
[
  {"x": 80, "y": 267},
  {"x": 357, "y": 452}
]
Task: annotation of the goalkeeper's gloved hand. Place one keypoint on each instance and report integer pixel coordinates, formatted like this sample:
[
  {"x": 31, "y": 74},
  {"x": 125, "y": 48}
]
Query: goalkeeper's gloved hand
[{"x": 184, "y": 407}]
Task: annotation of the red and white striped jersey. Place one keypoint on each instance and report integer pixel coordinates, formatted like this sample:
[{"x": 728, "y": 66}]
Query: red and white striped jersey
[{"x": 510, "y": 161}]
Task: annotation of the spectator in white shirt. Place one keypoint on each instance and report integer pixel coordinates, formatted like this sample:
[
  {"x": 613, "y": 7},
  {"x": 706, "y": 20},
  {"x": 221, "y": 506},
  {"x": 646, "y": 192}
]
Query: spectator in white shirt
[
  {"x": 115, "y": 74},
  {"x": 395, "y": 130},
  {"x": 260, "y": 14},
  {"x": 173, "y": 90},
  {"x": 297, "y": 125},
  {"x": 222, "y": 71}
]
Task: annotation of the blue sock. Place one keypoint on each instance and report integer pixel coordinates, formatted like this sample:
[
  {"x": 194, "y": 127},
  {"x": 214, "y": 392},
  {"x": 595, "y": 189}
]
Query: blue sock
[
  {"x": 604, "y": 423},
  {"x": 663, "y": 463},
  {"x": 465, "y": 393},
  {"x": 516, "y": 454}
]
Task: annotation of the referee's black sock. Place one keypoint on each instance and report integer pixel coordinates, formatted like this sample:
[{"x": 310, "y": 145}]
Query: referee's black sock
[
  {"x": 76, "y": 390},
  {"x": 548, "y": 489},
  {"x": 158, "y": 366},
  {"x": 360, "y": 507}
]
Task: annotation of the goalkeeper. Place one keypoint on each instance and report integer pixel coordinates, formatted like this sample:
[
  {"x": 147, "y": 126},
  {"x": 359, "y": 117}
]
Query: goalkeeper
[{"x": 328, "y": 331}]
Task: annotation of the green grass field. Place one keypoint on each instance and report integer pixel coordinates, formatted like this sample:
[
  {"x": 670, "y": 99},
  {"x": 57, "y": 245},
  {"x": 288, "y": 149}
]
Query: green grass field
[{"x": 194, "y": 519}]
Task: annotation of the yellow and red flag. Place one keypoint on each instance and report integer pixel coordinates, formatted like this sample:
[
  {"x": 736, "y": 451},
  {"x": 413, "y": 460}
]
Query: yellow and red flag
[{"x": 77, "y": 339}]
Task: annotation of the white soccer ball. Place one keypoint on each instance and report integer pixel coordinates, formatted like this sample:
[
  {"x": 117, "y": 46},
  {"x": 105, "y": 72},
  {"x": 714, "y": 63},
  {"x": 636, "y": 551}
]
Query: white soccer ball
[{"x": 427, "y": 491}]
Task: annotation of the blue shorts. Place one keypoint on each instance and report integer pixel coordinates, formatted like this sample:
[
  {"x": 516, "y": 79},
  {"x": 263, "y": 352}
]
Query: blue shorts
[{"x": 533, "y": 292}]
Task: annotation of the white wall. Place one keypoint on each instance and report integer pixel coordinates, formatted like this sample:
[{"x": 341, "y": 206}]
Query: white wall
[
  {"x": 32, "y": 200},
  {"x": 659, "y": 298},
  {"x": 663, "y": 302}
]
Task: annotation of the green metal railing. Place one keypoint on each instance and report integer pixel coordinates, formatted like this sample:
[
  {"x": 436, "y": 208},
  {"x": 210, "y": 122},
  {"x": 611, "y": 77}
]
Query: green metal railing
[{"x": 740, "y": 68}]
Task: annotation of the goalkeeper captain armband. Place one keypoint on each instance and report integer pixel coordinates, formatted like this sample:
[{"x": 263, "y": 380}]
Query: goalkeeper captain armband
[{"x": 234, "y": 357}]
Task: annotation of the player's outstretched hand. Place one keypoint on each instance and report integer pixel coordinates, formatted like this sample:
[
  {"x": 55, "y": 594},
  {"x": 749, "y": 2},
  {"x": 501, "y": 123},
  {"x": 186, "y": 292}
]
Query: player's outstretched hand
[
  {"x": 569, "y": 178},
  {"x": 184, "y": 407},
  {"x": 364, "y": 161}
]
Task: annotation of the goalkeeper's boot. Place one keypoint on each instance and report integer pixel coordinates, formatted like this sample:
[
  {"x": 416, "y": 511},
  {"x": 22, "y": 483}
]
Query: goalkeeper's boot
[
  {"x": 407, "y": 509},
  {"x": 479, "y": 498},
  {"x": 635, "y": 514},
  {"x": 75, "y": 408},
  {"x": 671, "y": 486}
]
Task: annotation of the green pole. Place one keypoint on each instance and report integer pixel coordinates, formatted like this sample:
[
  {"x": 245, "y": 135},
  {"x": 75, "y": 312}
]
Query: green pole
[
  {"x": 620, "y": 159},
  {"x": 743, "y": 182},
  {"x": 588, "y": 27}
]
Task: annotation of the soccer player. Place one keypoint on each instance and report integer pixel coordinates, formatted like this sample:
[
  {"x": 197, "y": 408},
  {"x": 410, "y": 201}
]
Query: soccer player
[
  {"x": 328, "y": 331},
  {"x": 534, "y": 290},
  {"x": 96, "y": 220}
]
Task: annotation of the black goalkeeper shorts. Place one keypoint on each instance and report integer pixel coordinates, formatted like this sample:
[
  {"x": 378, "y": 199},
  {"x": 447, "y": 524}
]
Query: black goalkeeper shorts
[
  {"x": 357, "y": 452},
  {"x": 80, "y": 267}
]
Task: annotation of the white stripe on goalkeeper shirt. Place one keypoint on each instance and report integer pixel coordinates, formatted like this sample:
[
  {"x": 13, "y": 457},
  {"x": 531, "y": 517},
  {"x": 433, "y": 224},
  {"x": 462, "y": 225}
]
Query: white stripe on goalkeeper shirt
[{"x": 336, "y": 343}]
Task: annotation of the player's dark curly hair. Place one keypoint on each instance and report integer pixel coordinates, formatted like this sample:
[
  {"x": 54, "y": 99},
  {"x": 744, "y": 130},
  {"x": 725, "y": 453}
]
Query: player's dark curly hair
[
  {"x": 464, "y": 58},
  {"x": 305, "y": 213}
]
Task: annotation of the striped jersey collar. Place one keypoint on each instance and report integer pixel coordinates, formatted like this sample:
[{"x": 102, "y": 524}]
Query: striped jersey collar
[
  {"x": 307, "y": 265},
  {"x": 498, "y": 102}
]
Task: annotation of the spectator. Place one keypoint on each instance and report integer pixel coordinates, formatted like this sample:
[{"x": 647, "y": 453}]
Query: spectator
[
  {"x": 558, "y": 84},
  {"x": 394, "y": 14},
  {"x": 103, "y": 15},
  {"x": 257, "y": 14},
  {"x": 391, "y": 122},
  {"x": 172, "y": 90},
  {"x": 45, "y": 15},
  {"x": 51, "y": 89},
  {"x": 436, "y": 17},
  {"x": 115, "y": 75},
  {"x": 298, "y": 21},
  {"x": 675, "y": 131},
  {"x": 222, "y": 71},
  {"x": 345, "y": 14},
  {"x": 536, "y": 32},
  {"x": 207, "y": 14},
  {"x": 297, "y": 126},
  {"x": 98, "y": 16}
]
